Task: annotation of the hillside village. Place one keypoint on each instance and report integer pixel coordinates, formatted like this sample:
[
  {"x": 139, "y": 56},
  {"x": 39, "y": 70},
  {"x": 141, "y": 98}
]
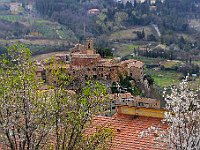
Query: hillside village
[
  {"x": 99, "y": 74},
  {"x": 82, "y": 64}
]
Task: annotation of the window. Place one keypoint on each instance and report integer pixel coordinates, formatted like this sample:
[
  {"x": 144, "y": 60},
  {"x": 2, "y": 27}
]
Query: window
[
  {"x": 66, "y": 58},
  {"x": 94, "y": 69},
  {"x": 101, "y": 69},
  {"x": 140, "y": 104},
  {"x": 95, "y": 76}
]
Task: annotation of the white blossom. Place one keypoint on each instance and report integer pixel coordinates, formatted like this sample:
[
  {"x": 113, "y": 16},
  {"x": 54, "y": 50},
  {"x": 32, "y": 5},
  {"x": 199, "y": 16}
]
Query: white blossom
[{"x": 182, "y": 117}]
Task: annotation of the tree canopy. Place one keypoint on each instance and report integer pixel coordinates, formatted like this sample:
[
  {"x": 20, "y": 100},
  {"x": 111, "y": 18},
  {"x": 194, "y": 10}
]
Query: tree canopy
[{"x": 55, "y": 118}]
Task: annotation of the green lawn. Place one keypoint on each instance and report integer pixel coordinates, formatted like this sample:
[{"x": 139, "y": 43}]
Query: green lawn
[{"x": 164, "y": 78}]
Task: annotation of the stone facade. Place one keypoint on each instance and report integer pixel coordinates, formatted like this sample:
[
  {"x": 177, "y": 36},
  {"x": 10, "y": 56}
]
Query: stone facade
[
  {"x": 84, "y": 62},
  {"x": 126, "y": 99}
]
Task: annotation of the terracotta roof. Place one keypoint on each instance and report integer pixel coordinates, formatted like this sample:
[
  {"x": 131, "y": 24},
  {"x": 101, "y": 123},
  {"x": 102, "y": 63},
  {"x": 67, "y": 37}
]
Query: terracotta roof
[
  {"x": 137, "y": 64},
  {"x": 121, "y": 95},
  {"x": 133, "y": 63},
  {"x": 128, "y": 131},
  {"x": 108, "y": 63},
  {"x": 80, "y": 55}
]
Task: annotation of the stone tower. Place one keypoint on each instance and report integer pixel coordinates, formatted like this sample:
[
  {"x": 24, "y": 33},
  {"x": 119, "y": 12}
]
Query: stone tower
[{"x": 90, "y": 46}]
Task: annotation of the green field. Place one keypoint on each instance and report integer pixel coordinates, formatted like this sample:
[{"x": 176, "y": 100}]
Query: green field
[
  {"x": 11, "y": 18},
  {"x": 46, "y": 28},
  {"x": 129, "y": 34},
  {"x": 164, "y": 78},
  {"x": 148, "y": 60},
  {"x": 172, "y": 63},
  {"x": 53, "y": 30},
  {"x": 196, "y": 62},
  {"x": 124, "y": 49}
]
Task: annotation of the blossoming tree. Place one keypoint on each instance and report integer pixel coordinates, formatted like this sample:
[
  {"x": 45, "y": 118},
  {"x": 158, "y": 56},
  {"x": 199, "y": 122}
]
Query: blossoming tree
[{"x": 182, "y": 118}]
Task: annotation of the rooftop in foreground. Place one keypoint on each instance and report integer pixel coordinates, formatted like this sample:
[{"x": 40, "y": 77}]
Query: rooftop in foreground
[{"x": 128, "y": 129}]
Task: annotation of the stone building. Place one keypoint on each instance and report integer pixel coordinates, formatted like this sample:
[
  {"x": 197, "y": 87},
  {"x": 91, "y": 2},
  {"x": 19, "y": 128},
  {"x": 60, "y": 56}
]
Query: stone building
[
  {"x": 83, "y": 56},
  {"x": 84, "y": 63},
  {"x": 127, "y": 99}
]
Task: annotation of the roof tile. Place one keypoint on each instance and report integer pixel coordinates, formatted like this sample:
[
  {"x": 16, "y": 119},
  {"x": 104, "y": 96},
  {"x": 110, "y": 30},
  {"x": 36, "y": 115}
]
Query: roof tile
[{"x": 129, "y": 128}]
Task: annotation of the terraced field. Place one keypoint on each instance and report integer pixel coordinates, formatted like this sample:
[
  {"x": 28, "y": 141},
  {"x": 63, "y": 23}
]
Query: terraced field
[{"x": 11, "y": 18}]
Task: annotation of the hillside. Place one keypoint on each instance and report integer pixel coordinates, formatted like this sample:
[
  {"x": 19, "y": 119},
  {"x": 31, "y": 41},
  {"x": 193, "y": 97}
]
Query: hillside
[
  {"x": 171, "y": 22},
  {"x": 20, "y": 22},
  {"x": 76, "y": 20}
]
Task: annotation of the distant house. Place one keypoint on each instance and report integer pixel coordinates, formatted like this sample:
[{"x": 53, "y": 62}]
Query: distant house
[
  {"x": 15, "y": 7},
  {"x": 140, "y": 1},
  {"x": 126, "y": 99},
  {"x": 125, "y": 1},
  {"x": 93, "y": 11},
  {"x": 29, "y": 7}
]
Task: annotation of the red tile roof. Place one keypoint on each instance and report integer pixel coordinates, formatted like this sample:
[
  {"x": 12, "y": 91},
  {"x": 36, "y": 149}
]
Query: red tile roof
[
  {"x": 132, "y": 63},
  {"x": 128, "y": 131}
]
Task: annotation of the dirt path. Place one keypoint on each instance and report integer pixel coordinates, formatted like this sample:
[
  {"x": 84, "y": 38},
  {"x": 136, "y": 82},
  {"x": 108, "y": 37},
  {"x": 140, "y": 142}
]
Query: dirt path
[{"x": 157, "y": 29}]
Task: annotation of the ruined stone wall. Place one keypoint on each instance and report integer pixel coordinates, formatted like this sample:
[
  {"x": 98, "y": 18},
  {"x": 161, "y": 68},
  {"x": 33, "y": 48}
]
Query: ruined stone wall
[{"x": 136, "y": 73}]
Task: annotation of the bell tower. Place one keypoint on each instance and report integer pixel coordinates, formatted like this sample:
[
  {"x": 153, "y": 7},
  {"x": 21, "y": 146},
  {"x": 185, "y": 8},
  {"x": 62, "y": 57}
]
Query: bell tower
[{"x": 90, "y": 46}]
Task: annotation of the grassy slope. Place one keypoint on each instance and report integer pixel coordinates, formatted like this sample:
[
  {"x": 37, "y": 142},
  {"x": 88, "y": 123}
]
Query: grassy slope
[
  {"x": 122, "y": 39},
  {"x": 124, "y": 49},
  {"x": 161, "y": 78},
  {"x": 164, "y": 78},
  {"x": 129, "y": 34},
  {"x": 46, "y": 28}
]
